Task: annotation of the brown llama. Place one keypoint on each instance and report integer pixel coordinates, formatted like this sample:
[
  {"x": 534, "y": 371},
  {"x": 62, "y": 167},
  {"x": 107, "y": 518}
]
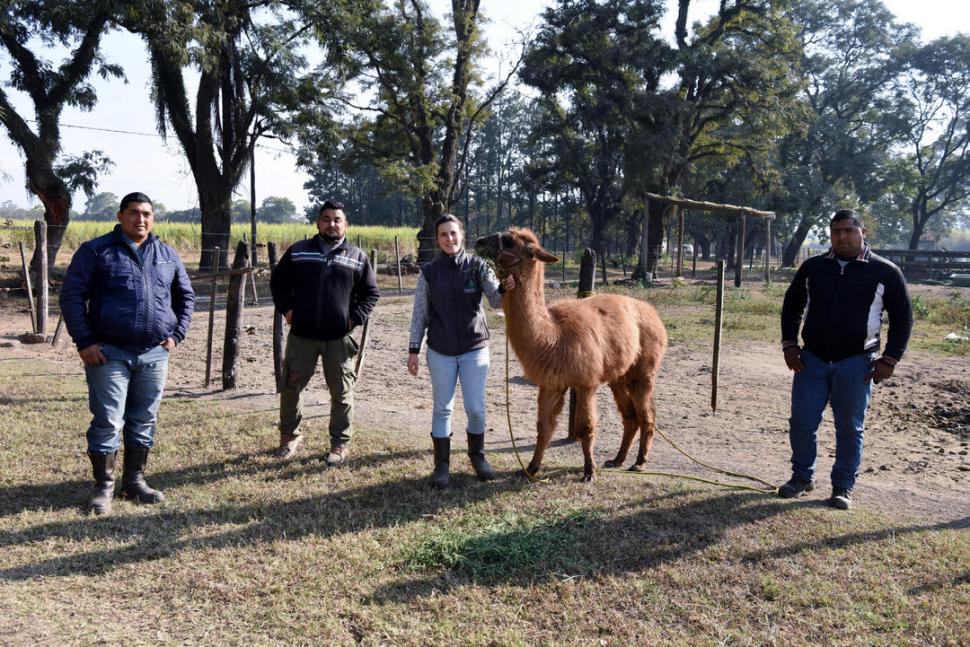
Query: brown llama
[{"x": 579, "y": 344}]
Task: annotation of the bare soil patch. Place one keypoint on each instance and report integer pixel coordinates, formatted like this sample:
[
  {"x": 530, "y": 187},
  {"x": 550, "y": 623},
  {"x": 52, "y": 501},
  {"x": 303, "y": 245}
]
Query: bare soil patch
[{"x": 916, "y": 462}]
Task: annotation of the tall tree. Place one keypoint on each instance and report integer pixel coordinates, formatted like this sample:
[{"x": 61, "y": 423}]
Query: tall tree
[
  {"x": 936, "y": 91},
  {"x": 421, "y": 82},
  {"x": 736, "y": 81},
  {"x": 276, "y": 209},
  {"x": 26, "y": 25},
  {"x": 101, "y": 206},
  {"x": 246, "y": 57},
  {"x": 850, "y": 58},
  {"x": 593, "y": 62}
]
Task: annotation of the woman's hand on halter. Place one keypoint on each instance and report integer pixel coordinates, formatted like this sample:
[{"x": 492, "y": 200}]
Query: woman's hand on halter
[
  {"x": 413, "y": 363},
  {"x": 508, "y": 283}
]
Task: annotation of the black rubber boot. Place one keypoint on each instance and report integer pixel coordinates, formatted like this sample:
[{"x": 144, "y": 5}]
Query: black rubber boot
[
  {"x": 133, "y": 484},
  {"x": 442, "y": 453},
  {"x": 476, "y": 452},
  {"x": 103, "y": 466}
]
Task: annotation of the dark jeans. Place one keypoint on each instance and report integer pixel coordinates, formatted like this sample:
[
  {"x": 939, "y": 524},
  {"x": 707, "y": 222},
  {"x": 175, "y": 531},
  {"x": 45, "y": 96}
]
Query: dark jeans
[{"x": 842, "y": 384}]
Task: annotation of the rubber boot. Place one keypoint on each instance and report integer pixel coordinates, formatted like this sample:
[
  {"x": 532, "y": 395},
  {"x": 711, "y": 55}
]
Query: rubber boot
[
  {"x": 133, "y": 484},
  {"x": 442, "y": 452},
  {"x": 476, "y": 452},
  {"x": 103, "y": 466}
]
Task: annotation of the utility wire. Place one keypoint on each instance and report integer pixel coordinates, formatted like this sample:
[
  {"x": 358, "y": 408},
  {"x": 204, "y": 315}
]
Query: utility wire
[{"x": 132, "y": 132}]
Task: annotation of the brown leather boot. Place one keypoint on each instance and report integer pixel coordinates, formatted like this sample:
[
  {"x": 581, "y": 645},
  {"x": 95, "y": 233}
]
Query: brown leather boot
[
  {"x": 103, "y": 466},
  {"x": 133, "y": 484},
  {"x": 442, "y": 454},
  {"x": 476, "y": 452}
]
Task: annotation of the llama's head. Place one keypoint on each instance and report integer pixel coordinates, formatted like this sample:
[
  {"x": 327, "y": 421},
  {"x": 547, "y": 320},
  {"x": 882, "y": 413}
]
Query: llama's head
[{"x": 512, "y": 247}]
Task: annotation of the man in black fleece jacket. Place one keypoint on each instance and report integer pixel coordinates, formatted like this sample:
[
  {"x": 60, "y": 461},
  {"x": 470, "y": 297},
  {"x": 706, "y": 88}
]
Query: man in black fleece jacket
[
  {"x": 325, "y": 287},
  {"x": 841, "y": 295}
]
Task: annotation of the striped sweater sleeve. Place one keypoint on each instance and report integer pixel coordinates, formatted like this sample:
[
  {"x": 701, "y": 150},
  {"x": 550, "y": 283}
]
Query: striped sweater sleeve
[{"x": 419, "y": 315}]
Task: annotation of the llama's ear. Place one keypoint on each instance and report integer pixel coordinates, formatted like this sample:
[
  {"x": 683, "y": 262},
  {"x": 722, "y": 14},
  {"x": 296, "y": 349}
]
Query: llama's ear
[{"x": 537, "y": 252}]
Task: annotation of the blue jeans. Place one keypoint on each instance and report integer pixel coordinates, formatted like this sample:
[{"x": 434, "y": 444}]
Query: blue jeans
[
  {"x": 842, "y": 383},
  {"x": 123, "y": 395},
  {"x": 471, "y": 369}
]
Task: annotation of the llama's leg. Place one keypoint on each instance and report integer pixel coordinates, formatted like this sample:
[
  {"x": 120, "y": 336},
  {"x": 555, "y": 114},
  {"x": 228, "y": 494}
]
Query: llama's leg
[
  {"x": 550, "y": 404},
  {"x": 630, "y": 425},
  {"x": 647, "y": 413},
  {"x": 586, "y": 428}
]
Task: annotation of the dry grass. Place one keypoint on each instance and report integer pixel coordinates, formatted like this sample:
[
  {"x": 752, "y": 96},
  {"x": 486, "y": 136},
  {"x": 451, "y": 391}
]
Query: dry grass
[{"x": 249, "y": 551}]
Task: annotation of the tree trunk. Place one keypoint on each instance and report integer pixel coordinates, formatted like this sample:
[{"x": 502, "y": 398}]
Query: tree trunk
[
  {"x": 655, "y": 234},
  {"x": 433, "y": 209},
  {"x": 54, "y": 195},
  {"x": 215, "y": 205},
  {"x": 790, "y": 253},
  {"x": 919, "y": 224},
  {"x": 702, "y": 241}
]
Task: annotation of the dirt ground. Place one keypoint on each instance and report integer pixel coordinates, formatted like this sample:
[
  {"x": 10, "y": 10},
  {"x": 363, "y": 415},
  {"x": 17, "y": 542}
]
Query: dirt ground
[{"x": 916, "y": 462}]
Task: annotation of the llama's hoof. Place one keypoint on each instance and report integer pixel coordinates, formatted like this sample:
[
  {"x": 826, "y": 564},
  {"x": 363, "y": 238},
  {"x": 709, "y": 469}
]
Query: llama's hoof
[
  {"x": 613, "y": 463},
  {"x": 588, "y": 477},
  {"x": 638, "y": 467}
]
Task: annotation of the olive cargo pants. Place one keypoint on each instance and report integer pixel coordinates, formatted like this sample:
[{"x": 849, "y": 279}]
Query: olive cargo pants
[{"x": 299, "y": 365}]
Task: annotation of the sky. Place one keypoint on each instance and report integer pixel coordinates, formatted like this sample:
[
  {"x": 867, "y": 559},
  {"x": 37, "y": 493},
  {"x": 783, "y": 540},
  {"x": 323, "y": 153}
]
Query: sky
[{"x": 143, "y": 162}]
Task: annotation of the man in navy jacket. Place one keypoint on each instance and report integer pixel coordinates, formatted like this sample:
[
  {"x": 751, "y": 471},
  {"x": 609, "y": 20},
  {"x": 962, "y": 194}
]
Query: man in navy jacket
[
  {"x": 324, "y": 287},
  {"x": 127, "y": 303},
  {"x": 841, "y": 296}
]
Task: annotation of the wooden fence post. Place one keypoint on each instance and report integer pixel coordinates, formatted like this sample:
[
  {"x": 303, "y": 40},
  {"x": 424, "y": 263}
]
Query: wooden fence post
[
  {"x": 587, "y": 286},
  {"x": 40, "y": 235},
  {"x": 740, "y": 256},
  {"x": 30, "y": 289},
  {"x": 213, "y": 286},
  {"x": 767, "y": 251},
  {"x": 679, "y": 213},
  {"x": 397, "y": 262},
  {"x": 58, "y": 330},
  {"x": 362, "y": 346},
  {"x": 718, "y": 324},
  {"x": 234, "y": 310},
  {"x": 277, "y": 327}
]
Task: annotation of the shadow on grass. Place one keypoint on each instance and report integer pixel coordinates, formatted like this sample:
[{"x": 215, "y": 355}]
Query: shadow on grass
[
  {"x": 74, "y": 493},
  {"x": 641, "y": 538},
  {"x": 638, "y": 536},
  {"x": 156, "y": 536}
]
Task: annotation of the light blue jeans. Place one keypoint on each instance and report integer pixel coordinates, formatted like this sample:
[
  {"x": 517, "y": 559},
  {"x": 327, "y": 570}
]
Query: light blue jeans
[
  {"x": 844, "y": 384},
  {"x": 124, "y": 394},
  {"x": 471, "y": 369}
]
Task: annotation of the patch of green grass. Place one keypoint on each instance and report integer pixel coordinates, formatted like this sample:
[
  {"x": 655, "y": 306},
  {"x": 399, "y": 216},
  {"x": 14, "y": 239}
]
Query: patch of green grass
[
  {"x": 489, "y": 547},
  {"x": 186, "y": 237}
]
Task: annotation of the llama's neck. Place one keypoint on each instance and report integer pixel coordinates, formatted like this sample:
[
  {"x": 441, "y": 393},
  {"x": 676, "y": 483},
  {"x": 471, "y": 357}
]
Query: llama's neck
[{"x": 531, "y": 330}]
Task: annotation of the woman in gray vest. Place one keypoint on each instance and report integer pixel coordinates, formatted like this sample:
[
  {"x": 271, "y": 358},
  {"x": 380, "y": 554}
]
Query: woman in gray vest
[{"x": 448, "y": 306}]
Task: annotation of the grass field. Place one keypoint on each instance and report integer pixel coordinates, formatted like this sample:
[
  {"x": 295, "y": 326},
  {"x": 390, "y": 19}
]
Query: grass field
[
  {"x": 185, "y": 237},
  {"x": 250, "y": 551}
]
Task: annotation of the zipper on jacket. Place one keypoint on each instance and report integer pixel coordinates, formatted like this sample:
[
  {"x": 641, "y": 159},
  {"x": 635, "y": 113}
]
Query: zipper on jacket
[
  {"x": 320, "y": 290},
  {"x": 833, "y": 309}
]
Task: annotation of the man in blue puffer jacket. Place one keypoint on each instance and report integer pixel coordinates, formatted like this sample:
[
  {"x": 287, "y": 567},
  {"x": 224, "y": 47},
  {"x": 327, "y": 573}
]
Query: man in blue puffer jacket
[{"x": 127, "y": 303}]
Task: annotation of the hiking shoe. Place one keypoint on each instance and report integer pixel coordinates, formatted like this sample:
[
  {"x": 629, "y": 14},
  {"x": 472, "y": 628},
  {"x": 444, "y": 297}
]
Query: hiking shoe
[
  {"x": 288, "y": 446},
  {"x": 795, "y": 488},
  {"x": 841, "y": 499},
  {"x": 338, "y": 454}
]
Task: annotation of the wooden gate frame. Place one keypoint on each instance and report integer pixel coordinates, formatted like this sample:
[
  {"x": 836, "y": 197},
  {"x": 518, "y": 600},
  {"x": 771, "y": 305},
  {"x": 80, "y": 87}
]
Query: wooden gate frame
[{"x": 732, "y": 210}]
